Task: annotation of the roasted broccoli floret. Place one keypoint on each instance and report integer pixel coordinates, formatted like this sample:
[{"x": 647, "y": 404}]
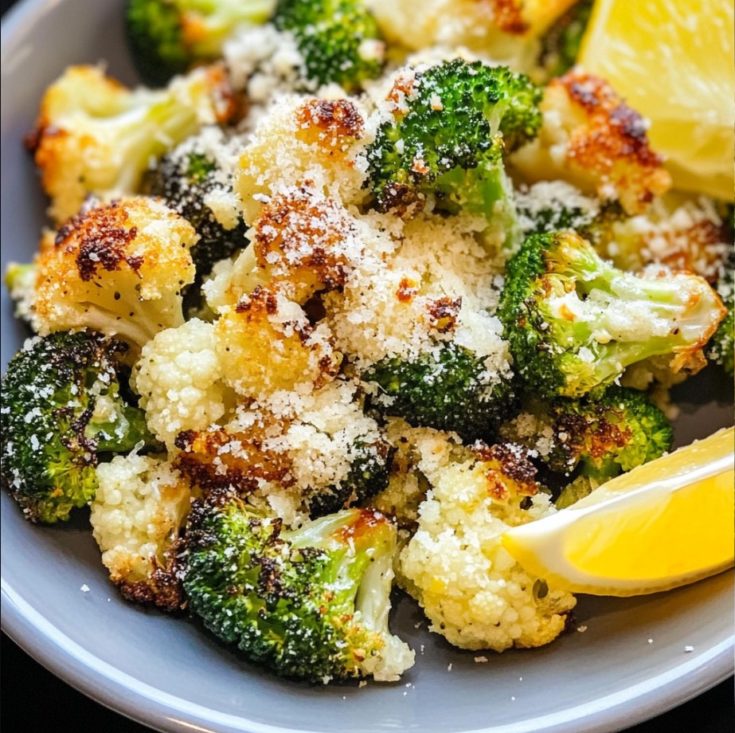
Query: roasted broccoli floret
[
  {"x": 338, "y": 39},
  {"x": 720, "y": 348},
  {"x": 192, "y": 183},
  {"x": 448, "y": 389},
  {"x": 598, "y": 438},
  {"x": 166, "y": 37},
  {"x": 95, "y": 136},
  {"x": 367, "y": 476},
  {"x": 574, "y": 322},
  {"x": 310, "y": 603},
  {"x": 450, "y": 125},
  {"x": 560, "y": 45},
  {"x": 61, "y": 408},
  {"x": 548, "y": 206},
  {"x": 119, "y": 268}
]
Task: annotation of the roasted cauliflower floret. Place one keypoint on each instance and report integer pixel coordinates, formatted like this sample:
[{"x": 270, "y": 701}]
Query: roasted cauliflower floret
[
  {"x": 95, "y": 136},
  {"x": 472, "y": 590},
  {"x": 266, "y": 344},
  {"x": 118, "y": 268},
  {"x": 501, "y": 29},
  {"x": 297, "y": 141},
  {"x": 179, "y": 380},
  {"x": 137, "y": 514},
  {"x": 593, "y": 140}
]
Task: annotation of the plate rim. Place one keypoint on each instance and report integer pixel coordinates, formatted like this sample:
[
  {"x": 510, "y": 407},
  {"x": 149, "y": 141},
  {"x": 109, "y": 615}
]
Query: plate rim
[
  {"x": 33, "y": 632},
  {"x": 68, "y": 660}
]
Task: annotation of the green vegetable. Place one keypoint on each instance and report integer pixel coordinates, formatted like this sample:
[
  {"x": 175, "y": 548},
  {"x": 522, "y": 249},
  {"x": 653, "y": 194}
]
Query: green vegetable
[
  {"x": 368, "y": 475},
  {"x": 449, "y": 390},
  {"x": 184, "y": 179},
  {"x": 446, "y": 138},
  {"x": 310, "y": 603},
  {"x": 338, "y": 39},
  {"x": 597, "y": 438},
  {"x": 560, "y": 45},
  {"x": 574, "y": 322},
  {"x": 61, "y": 408},
  {"x": 720, "y": 348}
]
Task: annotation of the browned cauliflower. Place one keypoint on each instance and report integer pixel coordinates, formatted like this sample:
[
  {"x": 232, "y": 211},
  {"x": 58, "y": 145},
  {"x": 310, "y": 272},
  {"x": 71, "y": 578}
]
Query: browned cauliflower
[
  {"x": 474, "y": 593},
  {"x": 118, "y": 268},
  {"x": 266, "y": 343},
  {"x": 95, "y": 136},
  {"x": 592, "y": 139},
  {"x": 298, "y": 142},
  {"x": 137, "y": 514}
]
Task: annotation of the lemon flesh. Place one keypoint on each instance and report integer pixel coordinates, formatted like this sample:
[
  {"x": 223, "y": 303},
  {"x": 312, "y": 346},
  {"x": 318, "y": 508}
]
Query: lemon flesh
[
  {"x": 674, "y": 62},
  {"x": 662, "y": 525}
]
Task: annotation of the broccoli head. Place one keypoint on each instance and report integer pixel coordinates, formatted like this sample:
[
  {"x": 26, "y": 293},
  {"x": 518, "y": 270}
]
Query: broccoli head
[
  {"x": 720, "y": 348},
  {"x": 575, "y": 322},
  {"x": 370, "y": 465},
  {"x": 166, "y": 37},
  {"x": 448, "y": 389},
  {"x": 118, "y": 268},
  {"x": 338, "y": 40},
  {"x": 450, "y": 124},
  {"x": 61, "y": 408},
  {"x": 310, "y": 603},
  {"x": 598, "y": 438},
  {"x": 95, "y": 136},
  {"x": 192, "y": 183},
  {"x": 560, "y": 44}
]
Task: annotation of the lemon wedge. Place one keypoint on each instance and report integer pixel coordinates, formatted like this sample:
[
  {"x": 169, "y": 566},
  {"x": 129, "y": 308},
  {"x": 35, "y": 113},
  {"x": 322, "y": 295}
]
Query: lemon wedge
[
  {"x": 663, "y": 524},
  {"x": 674, "y": 62}
]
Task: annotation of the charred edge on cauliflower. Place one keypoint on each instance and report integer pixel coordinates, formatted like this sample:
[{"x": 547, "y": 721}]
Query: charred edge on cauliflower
[
  {"x": 94, "y": 136},
  {"x": 117, "y": 267}
]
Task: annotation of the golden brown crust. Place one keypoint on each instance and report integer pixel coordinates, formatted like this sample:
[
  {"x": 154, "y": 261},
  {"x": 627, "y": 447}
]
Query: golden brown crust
[
  {"x": 508, "y": 470},
  {"x": 334, "y": 125},
  {"x": 443, "y": 313},
  {"x": 611, "y": 143},
  {"x": 262, "y": 350},
  {"x": 162, "y": 588},
  {"x": 509, "y": 16},
  {"x": 300, "y": 240},
  {"x": 365, "y": 521},
  {"x": 100, "y": 240},
  {"x": 217, "y": 458}
]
